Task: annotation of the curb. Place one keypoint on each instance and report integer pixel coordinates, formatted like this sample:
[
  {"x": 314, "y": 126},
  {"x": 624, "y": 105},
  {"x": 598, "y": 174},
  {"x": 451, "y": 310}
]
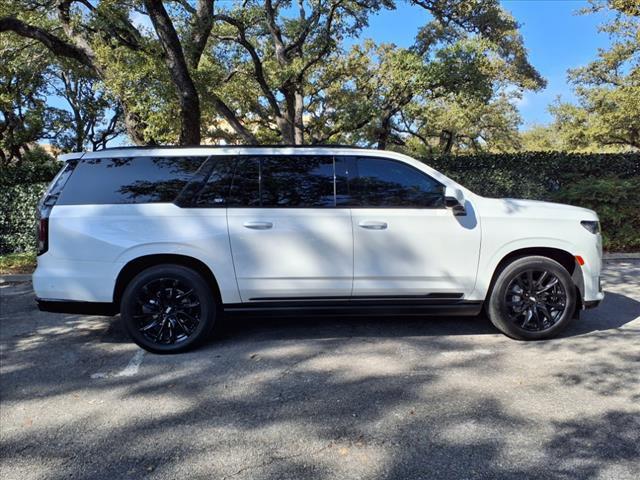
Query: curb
[
  {"x": 621, "y": 256},
  {"x": 15, "y": 278}
]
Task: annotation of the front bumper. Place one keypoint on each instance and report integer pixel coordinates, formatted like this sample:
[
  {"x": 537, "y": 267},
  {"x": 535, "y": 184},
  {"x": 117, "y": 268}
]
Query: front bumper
[{"x": 592, "y": 304}]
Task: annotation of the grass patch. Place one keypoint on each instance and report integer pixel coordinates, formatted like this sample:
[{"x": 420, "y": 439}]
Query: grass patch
[{"x": 17, "y": 263}]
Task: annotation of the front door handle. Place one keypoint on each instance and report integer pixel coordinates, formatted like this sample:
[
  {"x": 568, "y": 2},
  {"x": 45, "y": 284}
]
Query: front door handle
[
  {"x": 258, "y": 225},
  {"x": 373, "y": 225}
]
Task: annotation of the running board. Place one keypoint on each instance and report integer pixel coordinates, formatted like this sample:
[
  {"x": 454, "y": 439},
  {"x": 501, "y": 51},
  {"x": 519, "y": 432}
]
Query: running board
[{"x": 358, "y": 307}]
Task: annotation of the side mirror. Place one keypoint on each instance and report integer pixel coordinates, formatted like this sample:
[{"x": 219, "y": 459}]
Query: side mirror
[{"x": 454, "y": 199}]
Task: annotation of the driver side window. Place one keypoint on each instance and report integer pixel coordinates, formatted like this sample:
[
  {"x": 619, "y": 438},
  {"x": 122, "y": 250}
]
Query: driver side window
[{"x": 384, "y": 183}]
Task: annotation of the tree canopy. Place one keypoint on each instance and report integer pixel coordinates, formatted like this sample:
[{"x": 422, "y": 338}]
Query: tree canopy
[
  {"x": 192, "y": 71},
  {"x": 606, "y": 116}
]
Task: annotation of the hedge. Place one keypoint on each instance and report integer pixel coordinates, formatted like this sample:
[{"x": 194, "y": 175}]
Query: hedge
[
  {"x": 607, "y": 183},
  {"x": 533, "y": 175},
  {"x": 18, "y": 216},
  {"x": 20, "y": 189}
]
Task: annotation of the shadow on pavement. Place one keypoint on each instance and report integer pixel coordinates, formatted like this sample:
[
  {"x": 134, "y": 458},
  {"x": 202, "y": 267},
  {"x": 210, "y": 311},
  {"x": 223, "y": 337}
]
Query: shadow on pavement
[{"x": 320, "y": 398}]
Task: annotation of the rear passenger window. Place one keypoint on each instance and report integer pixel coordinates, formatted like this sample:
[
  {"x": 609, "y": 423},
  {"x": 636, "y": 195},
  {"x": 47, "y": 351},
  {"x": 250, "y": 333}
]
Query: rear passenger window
[
  {"x": 379, "y": 182},
  {"x": 211, "y": 185},
  {"x": 245, "y": 187},
  {"x": 128, "y": 180},
  {"x": 303, "y": 181}
]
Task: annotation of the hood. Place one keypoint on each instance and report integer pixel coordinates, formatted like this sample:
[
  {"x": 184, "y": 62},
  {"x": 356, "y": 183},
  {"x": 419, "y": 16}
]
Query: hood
[{"x": 536, "y": 208}]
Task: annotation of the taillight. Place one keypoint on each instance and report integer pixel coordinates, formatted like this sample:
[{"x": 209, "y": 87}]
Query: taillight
[
  {"x": 43, "y": 231},
  {"x": 47, "y": 202}
]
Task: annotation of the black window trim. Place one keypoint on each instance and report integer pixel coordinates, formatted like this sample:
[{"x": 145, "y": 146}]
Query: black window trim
[{"x": 187, "y": 200}]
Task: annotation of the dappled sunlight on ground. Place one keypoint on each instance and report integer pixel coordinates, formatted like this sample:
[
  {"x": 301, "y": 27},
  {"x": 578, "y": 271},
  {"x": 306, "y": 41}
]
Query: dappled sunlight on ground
[{"x": 323, "y": 398}]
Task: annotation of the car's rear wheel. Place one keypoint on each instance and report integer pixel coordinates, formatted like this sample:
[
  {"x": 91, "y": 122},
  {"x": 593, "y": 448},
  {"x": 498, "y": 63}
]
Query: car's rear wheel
[
  {"x": 533, "y": 298},
  {"x": 168, "y": 309}
]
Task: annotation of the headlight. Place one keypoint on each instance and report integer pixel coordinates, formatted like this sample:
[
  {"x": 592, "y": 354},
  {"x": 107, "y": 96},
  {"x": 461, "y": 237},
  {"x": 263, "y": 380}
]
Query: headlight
[{"x": 591, "y": 225}]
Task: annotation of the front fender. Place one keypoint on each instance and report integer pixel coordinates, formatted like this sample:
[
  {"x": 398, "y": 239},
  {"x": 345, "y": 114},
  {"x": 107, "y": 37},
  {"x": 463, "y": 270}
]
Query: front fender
[{"x": 489, "y": 260}]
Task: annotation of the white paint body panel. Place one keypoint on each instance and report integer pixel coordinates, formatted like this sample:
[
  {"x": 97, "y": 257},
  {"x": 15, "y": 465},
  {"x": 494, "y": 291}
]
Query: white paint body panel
[
  {"x": 89, "y": 245},
  {"x": 309, "y": 252},
  {"x": 305, "y": 253},
  {"x": 421, "y": 251}
]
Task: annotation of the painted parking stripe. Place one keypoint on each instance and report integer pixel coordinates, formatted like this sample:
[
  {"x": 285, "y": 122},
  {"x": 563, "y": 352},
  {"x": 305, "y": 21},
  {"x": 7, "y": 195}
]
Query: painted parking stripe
[{"x": 133, "y": 366}]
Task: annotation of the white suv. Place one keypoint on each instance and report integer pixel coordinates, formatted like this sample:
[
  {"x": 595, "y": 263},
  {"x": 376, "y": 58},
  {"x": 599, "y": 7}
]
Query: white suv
[{"x": 172, "y": 237}]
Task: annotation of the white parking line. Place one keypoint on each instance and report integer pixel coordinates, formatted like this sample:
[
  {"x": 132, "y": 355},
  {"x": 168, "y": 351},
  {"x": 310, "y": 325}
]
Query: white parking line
[
  {"x": 133, "y": 366},
  {"x": 130, "y": 370}
]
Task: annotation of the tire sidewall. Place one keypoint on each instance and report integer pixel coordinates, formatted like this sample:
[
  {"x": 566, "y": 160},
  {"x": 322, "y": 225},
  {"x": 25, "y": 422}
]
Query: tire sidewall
[
  {"x": 498, "y": 312},
  {"x": 208, "y": 307}
]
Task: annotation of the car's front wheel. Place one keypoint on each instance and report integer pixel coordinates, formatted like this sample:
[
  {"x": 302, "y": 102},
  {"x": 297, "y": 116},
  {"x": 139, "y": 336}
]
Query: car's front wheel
[
  {"x": 168, "y": 309},
  {"x": 533, "y": 298}
]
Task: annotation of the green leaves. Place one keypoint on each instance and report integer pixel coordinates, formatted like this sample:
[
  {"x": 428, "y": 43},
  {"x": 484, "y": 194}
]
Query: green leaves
[
  {"x": 616, "y": 200},
  {"x": 607, "y": 114}
]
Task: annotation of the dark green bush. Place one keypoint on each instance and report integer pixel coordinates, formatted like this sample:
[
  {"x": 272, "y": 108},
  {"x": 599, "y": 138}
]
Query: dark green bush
[
  {"x": 535, "y": 175},
  {"x": 617, "y": 202},
  {"x": 21, "y": 186},
  {"x": 37, "y": 166},
  {"x": 18, "y": 216}
]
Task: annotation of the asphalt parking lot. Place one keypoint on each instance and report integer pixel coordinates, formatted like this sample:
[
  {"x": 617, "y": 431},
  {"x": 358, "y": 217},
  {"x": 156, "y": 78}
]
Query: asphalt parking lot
[{"x": 396, "y": 398}]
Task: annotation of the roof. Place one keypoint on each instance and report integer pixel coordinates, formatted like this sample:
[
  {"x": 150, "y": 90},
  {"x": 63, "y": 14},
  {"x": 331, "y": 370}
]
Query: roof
[
  {"x": 213, "y": 150},
  {"x": 172, "y": 150}
]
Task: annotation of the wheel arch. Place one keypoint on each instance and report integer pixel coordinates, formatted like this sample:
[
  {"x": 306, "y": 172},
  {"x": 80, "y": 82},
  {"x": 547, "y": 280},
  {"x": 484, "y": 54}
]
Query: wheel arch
[
  {"x": 138, "y": 264},
  {"x": 563, "y": 257}
]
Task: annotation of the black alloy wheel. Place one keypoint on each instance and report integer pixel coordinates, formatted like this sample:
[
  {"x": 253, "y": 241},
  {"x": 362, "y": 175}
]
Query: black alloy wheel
[
  {"x": 535, "y": 300},
  {"x": 532, "y": 298},
  {"x": 168, "y": 309}
]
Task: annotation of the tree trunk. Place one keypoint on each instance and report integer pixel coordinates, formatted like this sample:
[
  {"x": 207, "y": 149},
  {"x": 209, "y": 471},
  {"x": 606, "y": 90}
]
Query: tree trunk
[
  {"x": 188, "y": 97},
  {"x": 384, "y": 131},
  {"x": 298, "y": 121},
  {"x": 447, "y": 138}
]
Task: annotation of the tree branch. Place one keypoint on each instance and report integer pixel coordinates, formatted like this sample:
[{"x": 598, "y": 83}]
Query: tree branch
[
  {"x": 255, "y": 58},
  {"x": 56, "y": 45}
]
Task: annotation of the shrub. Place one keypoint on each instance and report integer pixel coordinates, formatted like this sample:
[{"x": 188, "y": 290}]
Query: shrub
[
  {"x": 18, "y": 216},
  {"x": 534, "y": 175},
  {"x": 21, "y": 186},
  {"x": 617, "y": 202}
]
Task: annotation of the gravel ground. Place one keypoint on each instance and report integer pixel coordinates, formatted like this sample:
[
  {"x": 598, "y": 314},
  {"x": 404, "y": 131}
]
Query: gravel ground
[{"x": 396, "y": 398}]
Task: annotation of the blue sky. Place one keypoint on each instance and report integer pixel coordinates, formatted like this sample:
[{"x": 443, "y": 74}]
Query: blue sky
[{"x": 556, "y": 37}]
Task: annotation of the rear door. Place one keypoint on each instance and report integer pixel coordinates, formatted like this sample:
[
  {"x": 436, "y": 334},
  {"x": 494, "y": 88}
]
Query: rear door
[
  {"x": 406, "y": 243},
  {"x": 288, "y": 239}
]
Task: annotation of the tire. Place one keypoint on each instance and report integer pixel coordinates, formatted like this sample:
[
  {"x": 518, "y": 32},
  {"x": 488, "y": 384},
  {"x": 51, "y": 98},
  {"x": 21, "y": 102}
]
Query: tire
[
  {"x": 168, "y": 309},
  {"x": 533, "y": 298}
]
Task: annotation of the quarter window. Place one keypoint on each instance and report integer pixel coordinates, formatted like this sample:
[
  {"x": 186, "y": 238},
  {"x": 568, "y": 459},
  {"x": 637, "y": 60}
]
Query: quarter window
[
  {"x": 210, "y": 187},
  {"x": 103, "y": 181}
]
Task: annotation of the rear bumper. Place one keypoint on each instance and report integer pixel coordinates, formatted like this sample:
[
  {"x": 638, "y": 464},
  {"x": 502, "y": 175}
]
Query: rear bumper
[
  {"x": 82, "y": 308},
  {"x": 69, "y": 280}
]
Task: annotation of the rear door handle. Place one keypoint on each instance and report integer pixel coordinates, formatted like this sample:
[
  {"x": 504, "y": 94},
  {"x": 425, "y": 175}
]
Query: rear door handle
[
  {"x": 373, "y": 225},
  {"x": 259, "y": 225}
]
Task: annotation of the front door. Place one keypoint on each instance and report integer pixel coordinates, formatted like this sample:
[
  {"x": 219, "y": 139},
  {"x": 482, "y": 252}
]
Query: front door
[
  {"x": 406, "y": 243},
  {"x": 288, "y": 239}
]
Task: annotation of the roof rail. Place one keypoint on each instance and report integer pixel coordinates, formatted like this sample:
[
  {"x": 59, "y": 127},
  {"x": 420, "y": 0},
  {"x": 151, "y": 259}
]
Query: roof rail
[{"x": 149, "y": 147}]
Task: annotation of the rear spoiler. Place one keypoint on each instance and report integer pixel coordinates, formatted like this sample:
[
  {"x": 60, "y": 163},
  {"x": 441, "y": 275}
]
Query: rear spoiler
[{"x": 70, "y": 156}]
